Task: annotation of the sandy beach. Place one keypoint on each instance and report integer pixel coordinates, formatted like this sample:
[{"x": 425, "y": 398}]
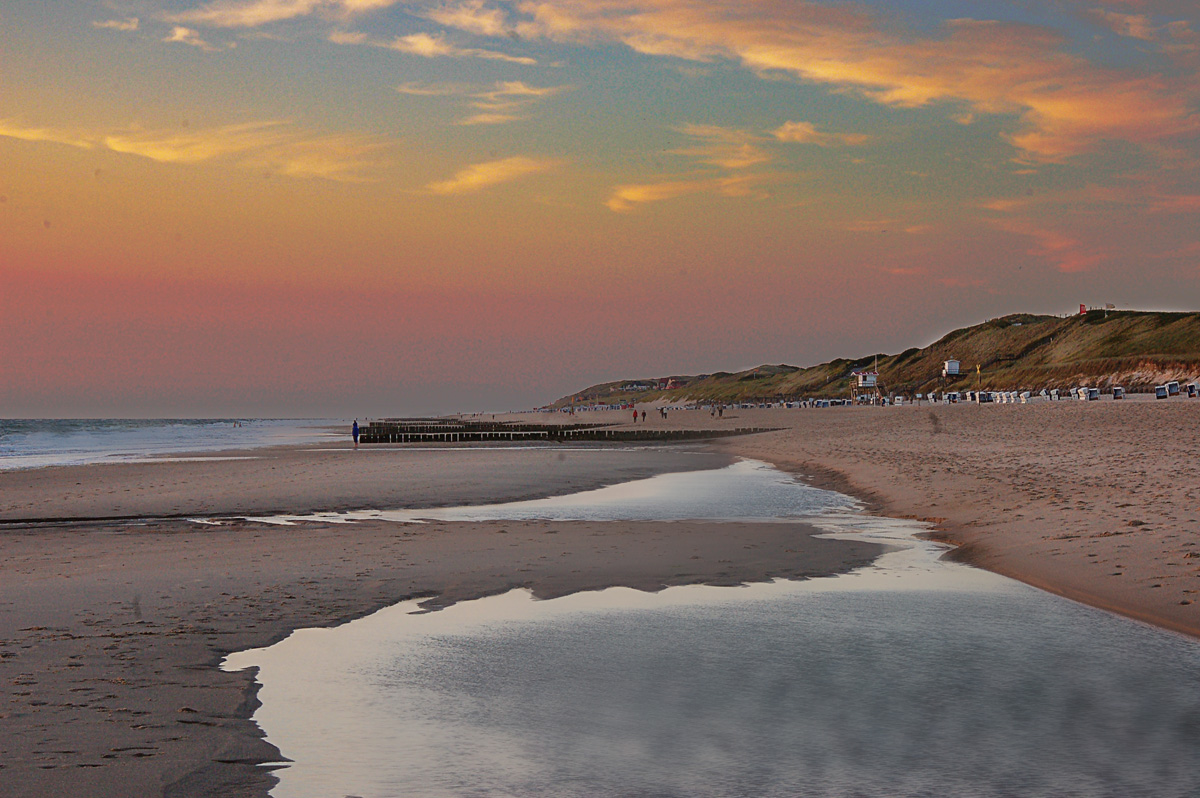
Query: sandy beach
[
  {"x": 111, "y": 630},
  {"x": 1098, "y": 502},
  {"x": 1095, "y": 501}
]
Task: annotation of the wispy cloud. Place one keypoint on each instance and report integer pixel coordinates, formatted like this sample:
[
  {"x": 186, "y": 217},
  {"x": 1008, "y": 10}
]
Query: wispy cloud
[
  {"x": 277, "y": 147},
  {"x": 480, "y": 176},
  {"x": 1137, "y": 26},
  {"x": 127, "y": 25},
  {"x": 242, "y": 14},
  {"x": 508, "y": 92},
  {"x": 723, "y": 147},
  {"x": 434, "y": 89},
  {"x": 1065, "y": 251},
  {"x": 503, "y": 102},
  {"x": 181, "y": 35},
  {"x": 1172, "y": 34},
  {"x": 1064, "y": 104},
  {"x": 430, "y": 46},
  {"x": 348, "y": 37},
  {"x": 489, "y": 118},
  {"x": 191, "y": 147},
  {"x": 15, "y": 129},
  {"x": 807, "y": 133},
  {"x": 472, "y": 17},
  {"x": 626, "y": 198},
  {"x": 730, "y": 150}
]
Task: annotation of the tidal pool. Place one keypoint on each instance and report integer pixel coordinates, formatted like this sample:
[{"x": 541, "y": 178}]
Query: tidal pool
[{"x": 912, "y": 677}]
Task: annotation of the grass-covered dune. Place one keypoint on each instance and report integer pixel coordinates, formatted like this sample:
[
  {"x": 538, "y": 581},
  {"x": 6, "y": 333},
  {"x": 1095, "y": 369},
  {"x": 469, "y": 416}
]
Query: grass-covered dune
[{"x": 1100, "y": 348}]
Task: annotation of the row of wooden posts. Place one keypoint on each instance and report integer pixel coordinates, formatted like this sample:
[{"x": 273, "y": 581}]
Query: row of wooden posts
[{"x": 461, "y": 433}]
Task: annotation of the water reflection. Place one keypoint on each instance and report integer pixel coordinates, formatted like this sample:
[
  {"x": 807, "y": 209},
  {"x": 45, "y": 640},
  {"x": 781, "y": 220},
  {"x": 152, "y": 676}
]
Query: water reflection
[{"x": 914, "y": 677}]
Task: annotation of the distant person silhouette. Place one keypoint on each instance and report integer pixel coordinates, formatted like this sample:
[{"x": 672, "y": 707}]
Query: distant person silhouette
[
  {"x": 643, "y": 415},
  {"x": 354, "y": 432}
]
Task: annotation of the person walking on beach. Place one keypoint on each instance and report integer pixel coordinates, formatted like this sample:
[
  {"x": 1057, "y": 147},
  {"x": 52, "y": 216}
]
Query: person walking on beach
[
  {"x": 643, "y": 415},
  {"x": 354, "y": 432},
  {"x": 634, "y": 416}
]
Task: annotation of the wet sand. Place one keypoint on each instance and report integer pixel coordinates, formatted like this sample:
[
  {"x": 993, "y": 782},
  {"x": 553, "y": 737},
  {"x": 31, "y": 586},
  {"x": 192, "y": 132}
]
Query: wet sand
[
  {"x": 110, "y": 633},
  {"x": 311, "y": 479}
]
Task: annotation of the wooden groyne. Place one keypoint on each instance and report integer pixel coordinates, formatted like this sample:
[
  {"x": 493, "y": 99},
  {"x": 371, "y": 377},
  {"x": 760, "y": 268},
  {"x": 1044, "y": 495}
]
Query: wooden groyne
[{"x": 427, "y": 431}]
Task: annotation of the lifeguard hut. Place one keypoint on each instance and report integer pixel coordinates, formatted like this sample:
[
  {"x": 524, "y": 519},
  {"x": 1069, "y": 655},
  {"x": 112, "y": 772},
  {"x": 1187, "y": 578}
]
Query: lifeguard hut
[
  {"x": 950, "y": 368},
  {"x": 864, "y": 385}
]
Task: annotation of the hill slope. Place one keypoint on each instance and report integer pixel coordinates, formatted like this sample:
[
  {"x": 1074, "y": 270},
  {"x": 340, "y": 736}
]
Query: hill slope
[{"x": 1100, "y": 348}]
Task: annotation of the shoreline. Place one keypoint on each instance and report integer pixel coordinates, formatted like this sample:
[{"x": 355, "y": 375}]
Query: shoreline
[
  {"x": 1112, "y": 527},
  {"x": 943, "y": 530}
]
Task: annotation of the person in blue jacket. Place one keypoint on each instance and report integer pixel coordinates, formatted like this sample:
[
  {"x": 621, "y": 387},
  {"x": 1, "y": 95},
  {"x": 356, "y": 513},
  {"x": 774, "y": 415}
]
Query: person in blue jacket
[{"x": 354, "y": 432}]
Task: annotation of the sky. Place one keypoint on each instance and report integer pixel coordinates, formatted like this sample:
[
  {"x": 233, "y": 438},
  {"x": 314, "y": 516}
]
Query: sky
[{"x": 388, "y": 207}]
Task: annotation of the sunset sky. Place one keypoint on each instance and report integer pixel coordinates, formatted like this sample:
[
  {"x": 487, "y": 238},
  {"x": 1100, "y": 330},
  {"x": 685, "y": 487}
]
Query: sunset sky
[{"x": 364, "y": 207}]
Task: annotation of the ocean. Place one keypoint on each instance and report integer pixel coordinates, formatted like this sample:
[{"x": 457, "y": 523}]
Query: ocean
[{"x": 38, "y": 443}]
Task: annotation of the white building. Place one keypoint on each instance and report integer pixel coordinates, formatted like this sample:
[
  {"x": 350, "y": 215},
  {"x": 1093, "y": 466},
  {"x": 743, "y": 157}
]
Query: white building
[
  {"x": 866, "y": 379},
  {"x": 950, "y": 368}
]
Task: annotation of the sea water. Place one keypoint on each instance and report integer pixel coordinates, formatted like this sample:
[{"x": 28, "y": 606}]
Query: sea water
[
  {"x": 37, "y": 443},
  {"x": 911, "y": 677}
]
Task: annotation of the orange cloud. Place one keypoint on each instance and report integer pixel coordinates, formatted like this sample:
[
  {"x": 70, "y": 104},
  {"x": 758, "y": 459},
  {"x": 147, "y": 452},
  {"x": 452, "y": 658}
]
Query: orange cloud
[
  {"x": 14, "y": 129},
  {"x": 626, "y": 198},
  {"x": 1065, "y": 104},
  {"x": 235, "y": 14},
  {"x": 489, "y": 118},
  {"x": 1137, "y": 26},
  {"x": 505, "y": 101},
  {"x": 477, "y": 177},
  {"x": 806, "y": 133},
  {"x": 429, "y": 46},
  {"x": 272, "y": 146},
  {"x": 1061, "y": 249},
  {"x": 181, "y": 35},
  {"x": 472, "y": 17},
  {"x": 125, "y": 25},
  {"x": 724, "y": 147}
]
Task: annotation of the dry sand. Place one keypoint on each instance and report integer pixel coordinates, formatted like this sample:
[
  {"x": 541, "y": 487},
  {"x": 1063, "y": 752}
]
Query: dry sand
[
  {"x": 110, "y": 633},
  {"x": 1095, "y": 501}
]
